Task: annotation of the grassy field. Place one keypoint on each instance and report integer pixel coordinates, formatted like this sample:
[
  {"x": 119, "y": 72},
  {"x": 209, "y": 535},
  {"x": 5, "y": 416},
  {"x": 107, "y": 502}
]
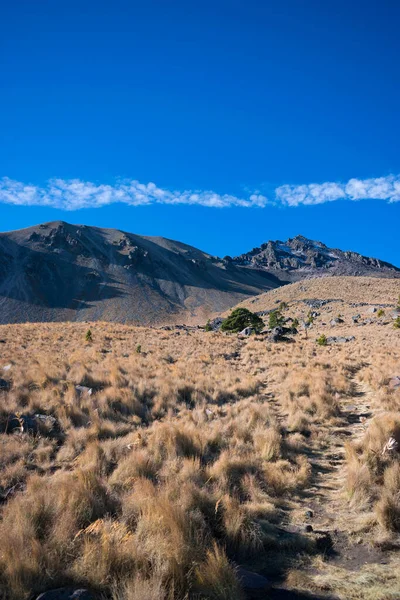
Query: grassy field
[{"x": 197, "y": 453}]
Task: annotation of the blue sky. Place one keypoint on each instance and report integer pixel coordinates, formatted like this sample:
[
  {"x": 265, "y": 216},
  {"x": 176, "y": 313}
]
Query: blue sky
[{"x": 219, "y": 123}]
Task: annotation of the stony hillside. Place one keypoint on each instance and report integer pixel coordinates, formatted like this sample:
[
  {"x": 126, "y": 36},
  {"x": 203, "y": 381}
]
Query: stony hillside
[
  {"x": 61, "y": 272},
  {"x": 300, "y": 258},
  {"x": 349, "y": 291}
]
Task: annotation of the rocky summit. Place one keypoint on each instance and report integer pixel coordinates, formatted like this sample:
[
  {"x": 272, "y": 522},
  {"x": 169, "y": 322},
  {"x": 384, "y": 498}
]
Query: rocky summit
[
  {"x": 62, "y": 272},
  {"x": 300, "y": 258}
]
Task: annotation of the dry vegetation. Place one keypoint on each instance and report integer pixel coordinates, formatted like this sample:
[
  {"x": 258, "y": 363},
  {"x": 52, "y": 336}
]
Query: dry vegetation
[{"x": 198, "y": 452}]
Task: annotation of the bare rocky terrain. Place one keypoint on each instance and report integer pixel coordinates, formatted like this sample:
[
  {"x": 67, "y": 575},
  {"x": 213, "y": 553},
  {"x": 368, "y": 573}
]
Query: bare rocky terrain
[
  {"x": 61, "y": 272},
  {"x": 301, "y": 258}
]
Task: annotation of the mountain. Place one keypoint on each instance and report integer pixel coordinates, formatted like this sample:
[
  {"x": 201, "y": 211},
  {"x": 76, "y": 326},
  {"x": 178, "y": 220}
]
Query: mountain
[
  {"x": 301, "y": 258},
  {"x": 59, "y": 272},
  {"x": 62, "y": 272}
]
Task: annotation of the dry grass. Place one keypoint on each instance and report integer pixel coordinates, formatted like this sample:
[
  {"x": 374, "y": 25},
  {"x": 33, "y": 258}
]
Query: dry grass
[{"x": 188, "y": 458}]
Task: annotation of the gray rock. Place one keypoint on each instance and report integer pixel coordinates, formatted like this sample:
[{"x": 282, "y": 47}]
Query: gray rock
[
  {"x": 394, "y": 383},
  {"x": 67, "y": 594},
  {"x": 246, "y": 331},
  {"x": 250, "y": 580},
  {"x": 356, "y": 318},
  {"x": 372, "y": 310},
  {"x": 83, "y": 389},
  {"x": 336, "y": 321},
  {"x": 340, "y": 339}
]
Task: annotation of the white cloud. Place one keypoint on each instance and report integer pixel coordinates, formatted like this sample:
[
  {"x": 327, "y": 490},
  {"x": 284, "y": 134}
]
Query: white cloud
[
  {"x": 75, "y": 194},
  {"x": 379, "y": 188}
]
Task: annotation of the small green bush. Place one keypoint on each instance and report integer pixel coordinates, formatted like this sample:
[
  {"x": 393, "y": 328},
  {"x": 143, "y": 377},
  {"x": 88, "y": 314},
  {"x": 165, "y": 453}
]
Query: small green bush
[
  {"x": 275, "y": 319},
  {"x": 396, "y": 323},
  {"x": 139, "y": 348},
  {"x": 88, "y": 336},
  {"x": 322, "y": 340},
  {"x": 241, "y": 318},
  {"x": 283, "y": 306},
  {"x": 380, "y": 313},
  {"x": 208, "y": 326}
]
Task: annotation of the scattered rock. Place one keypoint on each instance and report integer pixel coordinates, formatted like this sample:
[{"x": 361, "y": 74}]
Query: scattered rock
[
  {"x": 67, "y": 594},
  {"x": 356, "y": 318},
  {"x": 278, "y": 335},
  {"x": 394, "y": 383},
  {"x": 340, "y": 339},
  {"x": 250, "y": 580},
  {"x": 246, "y": 332},
  {"x": 372, "y": 310},
  {"x": 308, "y": 528},
  {"x": 336, "y": 321},
  {"x": 7, "y": 368},
  {"x": 37, "y": 423},
  {"x": 83, "y": 389},
  {"x": 309, "y": 514},
  {"x": 216, "y": 323}
]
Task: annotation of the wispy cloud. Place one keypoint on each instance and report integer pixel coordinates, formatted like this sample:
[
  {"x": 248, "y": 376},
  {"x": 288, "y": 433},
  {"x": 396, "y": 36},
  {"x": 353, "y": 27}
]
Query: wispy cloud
[
  {"x": 75, "y": 194},
  {"x": 379, "y": 188}
]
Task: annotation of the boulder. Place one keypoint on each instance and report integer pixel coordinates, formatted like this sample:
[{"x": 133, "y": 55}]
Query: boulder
[
  {"x": 355, "y": 318},
  {"x": 67, "y": 594},
  {"x": 372, "y": 310}
]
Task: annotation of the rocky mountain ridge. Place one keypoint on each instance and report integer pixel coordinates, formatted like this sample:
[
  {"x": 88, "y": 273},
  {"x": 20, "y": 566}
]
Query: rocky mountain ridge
[
  {"x": 300, "y": 258},
  {"x": 62, "y": 272}
]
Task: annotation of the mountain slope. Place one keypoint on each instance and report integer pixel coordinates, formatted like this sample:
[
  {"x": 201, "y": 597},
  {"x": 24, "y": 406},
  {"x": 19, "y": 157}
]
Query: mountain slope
[
  {"x": 355, "y": 292},
  {"x": 57, "y": 272},
  {"x": 301, "y": 258}
]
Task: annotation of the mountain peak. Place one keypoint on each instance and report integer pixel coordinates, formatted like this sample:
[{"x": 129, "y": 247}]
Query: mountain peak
[{"x": 299, "y": 258}]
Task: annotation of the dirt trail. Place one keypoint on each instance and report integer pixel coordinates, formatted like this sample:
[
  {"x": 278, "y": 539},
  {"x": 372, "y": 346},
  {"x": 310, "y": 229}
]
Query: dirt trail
[{"x": 322, "y": 505}]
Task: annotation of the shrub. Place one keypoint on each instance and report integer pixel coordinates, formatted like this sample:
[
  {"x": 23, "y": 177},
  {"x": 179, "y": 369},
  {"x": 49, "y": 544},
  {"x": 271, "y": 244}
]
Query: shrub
[
  {"x": 283, "y": 306},
  {"x": 139, "y": 349},
  {"x": 88, "y": 336},
  {"x": 208, "y": 326},
  {"x": 275, "y": 319},
  {"x": 241, "y": 318},
  {"x": 380, "y": 313},
  {"x": 322, "y": 340},
  {"x": 396, "y": 323}
]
